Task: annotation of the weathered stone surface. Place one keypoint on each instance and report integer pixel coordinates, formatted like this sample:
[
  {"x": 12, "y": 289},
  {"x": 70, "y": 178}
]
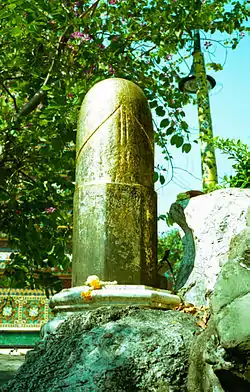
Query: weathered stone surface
[
  {"x": 240, "y": 245},
  {"x": 110, "y": 349},
  {"x": 216, "y": 365},
  {"x": 220, "y": 360},
  {"x": 214, "y": 219},
  {"x": 220, "y": 357},
  {"x": 204, "y": 355},
  {"x": 115, "y": 203},
  {"x": 232, "y": 283},
  {"x": 233, "y": 324},
  {"x": 230, "y": 303}
]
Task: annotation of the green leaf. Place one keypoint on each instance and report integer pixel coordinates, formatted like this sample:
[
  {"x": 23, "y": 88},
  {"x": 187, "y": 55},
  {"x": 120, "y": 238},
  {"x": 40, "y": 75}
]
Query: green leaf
[
  {"x": 164, "y": 123},
  {"x": 160, "y": 111},
  {"x": 16, "y": 31},
  {"x": 52, "y": 250},
  {"x": 186, "y": 147},
  {"x": 177, "y": 140},
  {"x": 170, "y": 130},
  {"x": 153, "y": 104},
  {"x": 156, "y": 176},
  {"x": 162, "y": 217},
  {"x": 184, "y": 126},
  {"x": 215, "y": 66},
  {"x": 162, "y": 179}
]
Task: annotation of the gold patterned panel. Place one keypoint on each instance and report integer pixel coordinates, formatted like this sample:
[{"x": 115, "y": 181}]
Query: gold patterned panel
[{"x": 23, "y": 309}]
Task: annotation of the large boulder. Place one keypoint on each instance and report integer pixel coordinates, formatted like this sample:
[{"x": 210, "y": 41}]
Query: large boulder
[
  {"x": 220, "y": 359},
  {"x": 212, "y": 220},
  {"x": 112, "y": 349}
]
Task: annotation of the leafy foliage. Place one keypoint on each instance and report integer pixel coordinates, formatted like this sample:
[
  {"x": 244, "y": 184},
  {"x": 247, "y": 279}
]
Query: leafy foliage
[
  {"x": 240, "y": 154},
  {"x": 52, "y": 53},
  {"x": 171, "y": 241}
]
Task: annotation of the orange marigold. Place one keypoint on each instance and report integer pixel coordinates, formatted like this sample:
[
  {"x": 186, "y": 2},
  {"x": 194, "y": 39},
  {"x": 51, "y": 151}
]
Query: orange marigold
[{"x": 86, "y": 295}]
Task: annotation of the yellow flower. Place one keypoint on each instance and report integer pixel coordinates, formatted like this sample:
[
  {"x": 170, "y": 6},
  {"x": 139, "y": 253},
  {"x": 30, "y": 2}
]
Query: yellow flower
[
  {"x": 94, "y": 282},
  {"x": 86, "y": 295}
]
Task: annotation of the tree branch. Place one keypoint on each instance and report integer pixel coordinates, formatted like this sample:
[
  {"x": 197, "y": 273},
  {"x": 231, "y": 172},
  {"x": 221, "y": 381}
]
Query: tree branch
[
  {"x": 26, "y": 176},
  {"x": 11, "y": 95},
  {"x": 191, "y": 174},
  {"x": 37, "y": 98},
  {"x": 91, "y": 8}
]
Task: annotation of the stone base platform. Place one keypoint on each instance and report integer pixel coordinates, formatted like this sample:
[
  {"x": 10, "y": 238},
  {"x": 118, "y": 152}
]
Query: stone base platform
[{"x": 86, "y": 298}]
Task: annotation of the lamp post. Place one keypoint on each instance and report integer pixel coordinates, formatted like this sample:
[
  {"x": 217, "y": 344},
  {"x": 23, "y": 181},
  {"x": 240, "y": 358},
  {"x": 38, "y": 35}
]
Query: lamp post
[{"x": 197, "y": 82}]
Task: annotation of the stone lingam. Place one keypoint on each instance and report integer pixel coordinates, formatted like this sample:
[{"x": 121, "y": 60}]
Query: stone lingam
[{"x": 114, "y": 238}]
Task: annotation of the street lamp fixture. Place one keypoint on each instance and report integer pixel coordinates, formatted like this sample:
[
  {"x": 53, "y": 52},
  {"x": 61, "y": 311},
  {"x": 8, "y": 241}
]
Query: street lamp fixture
[{"x": 189, "y": 83}]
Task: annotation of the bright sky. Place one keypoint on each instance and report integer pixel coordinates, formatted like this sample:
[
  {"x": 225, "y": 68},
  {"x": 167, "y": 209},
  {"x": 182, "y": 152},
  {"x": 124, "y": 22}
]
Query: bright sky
[{"x": 230, "y": 109}]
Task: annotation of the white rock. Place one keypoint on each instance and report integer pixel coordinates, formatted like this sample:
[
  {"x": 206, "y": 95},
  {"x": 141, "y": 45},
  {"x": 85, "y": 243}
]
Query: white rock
[{"x": 214, "y": 218}]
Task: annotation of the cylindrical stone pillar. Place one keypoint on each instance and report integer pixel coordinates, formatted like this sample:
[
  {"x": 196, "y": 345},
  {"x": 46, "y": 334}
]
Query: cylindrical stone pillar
[{"x": 114, "y": 234}]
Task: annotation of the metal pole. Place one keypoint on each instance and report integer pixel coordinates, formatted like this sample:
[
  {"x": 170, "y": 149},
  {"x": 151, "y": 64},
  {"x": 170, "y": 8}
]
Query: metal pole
[{"x": 208, "y": 159}]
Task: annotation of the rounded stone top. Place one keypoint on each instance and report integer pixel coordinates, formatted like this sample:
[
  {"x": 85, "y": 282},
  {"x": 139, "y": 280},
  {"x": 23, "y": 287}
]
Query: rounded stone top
[
  {"x": 107, "y": 97},
  {"x": 115, "y": 135},
  {"x": 115, "y": 90}
]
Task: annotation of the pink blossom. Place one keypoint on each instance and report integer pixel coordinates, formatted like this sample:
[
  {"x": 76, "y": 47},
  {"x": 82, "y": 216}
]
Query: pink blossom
[
  {"x": 70, "y": 95},
  {"x": 112, "y": 2},
  {"x": 86, "y": 37},
  {"x": 111, "y": 70},
  {"x": 49, "y": 210},
  {"x": 77, "y": 34},
  {"x": 89, "y": 71}
]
